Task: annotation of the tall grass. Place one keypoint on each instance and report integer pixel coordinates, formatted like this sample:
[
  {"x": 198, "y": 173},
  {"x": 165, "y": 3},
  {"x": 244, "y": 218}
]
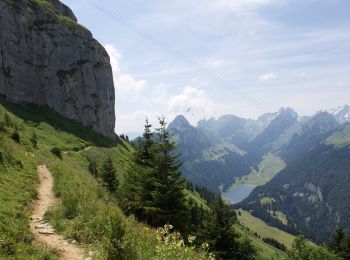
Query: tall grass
[
  {"x": 18, "y": 180},
  {"x": 85, "y": 211}
]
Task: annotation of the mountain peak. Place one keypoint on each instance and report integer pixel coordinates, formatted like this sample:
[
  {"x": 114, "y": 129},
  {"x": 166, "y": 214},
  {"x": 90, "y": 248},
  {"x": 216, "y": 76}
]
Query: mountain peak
[
  {"x": 288, "y": 111},
  {"x": 341, "y": 114},
  {"x": 179, "y": 122},
  {"x": 322, "y": 122}
]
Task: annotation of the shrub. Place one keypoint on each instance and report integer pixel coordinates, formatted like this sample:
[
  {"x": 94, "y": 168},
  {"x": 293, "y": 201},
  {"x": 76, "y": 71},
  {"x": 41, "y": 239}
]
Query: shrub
[
  {"x": 57, "y": 152},
  {"x": 93, "y": 168},
  {"x": 116, "y": 231},
  {"x": 34, "y": 140},
  {"x": 70, "y": 206},
  {"x": 3, "y": 127},
  {"x": 304, "y": 251},
  {"x": 7, "y": 120},
  {"x": 15, "y": 137},
  {"x": 273, "y": 242}
]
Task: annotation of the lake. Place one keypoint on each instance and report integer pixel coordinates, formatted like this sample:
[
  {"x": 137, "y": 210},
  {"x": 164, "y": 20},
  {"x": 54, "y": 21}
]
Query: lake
[{"x": 237, "y": 194}]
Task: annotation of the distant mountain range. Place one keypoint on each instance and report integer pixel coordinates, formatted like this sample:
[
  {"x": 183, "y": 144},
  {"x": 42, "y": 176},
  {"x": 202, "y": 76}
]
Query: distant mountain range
[{"x": 300, "y": 164}]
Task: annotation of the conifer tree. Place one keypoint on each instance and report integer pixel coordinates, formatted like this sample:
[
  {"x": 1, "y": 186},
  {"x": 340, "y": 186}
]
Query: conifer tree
[
  {"x": 144, "y": 154},
  {"x": 221, "y": 236},
  {"x": 337, "y": 240},
  {"x": 167, "y": 204},
  {"x": 340, "y": 243},
  {"x": 137, "y": 186},
  {"x": 109, "y": 176}
]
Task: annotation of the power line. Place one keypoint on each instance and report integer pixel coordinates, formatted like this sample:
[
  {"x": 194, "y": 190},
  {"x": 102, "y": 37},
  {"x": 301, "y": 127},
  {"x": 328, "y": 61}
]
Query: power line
[{"x": 216, "y": 77}]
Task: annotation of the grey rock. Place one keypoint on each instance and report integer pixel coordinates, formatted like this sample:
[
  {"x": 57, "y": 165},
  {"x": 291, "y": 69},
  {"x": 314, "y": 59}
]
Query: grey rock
[{"x": 46, "y": 58}]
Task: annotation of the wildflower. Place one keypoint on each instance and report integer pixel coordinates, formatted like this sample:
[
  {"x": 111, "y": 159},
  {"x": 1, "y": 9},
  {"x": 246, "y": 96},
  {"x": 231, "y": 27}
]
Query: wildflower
[
  {"x": 211, "y": 256},
  {"x": 191, "y": 238},
  {"x": 168, "y": 226},
  {"x": 205, "y": 246},
  {"x": 176, "y": 235},
  {"x": 146, "y": 228},
  {"x": 181, "y": 243}
]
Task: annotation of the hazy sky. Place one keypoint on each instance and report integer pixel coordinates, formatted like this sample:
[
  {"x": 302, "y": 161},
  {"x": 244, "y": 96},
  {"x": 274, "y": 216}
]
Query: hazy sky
[{"x": 273, "y": 53}]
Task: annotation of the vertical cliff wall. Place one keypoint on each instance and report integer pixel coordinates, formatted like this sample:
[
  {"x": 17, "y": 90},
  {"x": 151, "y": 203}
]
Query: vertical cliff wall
[{"x": 47, "y": 58}]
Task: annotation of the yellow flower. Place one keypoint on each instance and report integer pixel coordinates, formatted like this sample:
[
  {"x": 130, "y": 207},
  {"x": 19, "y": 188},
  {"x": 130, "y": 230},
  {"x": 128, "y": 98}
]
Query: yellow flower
[
  {"x": 191, "y": 238},
  {"x": 205, "y": 245},
  {"x": 168, "y": 226},
  {"x": 146, "y": 228}
]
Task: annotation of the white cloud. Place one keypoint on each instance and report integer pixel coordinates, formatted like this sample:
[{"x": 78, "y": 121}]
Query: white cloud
[
  {"x": 125, "y": 84},
  {"x": 131, "y": 122},
  {"x": 240, "y": 4},
  {"x": 268, "y": 77},
  {"x": 194, "y": 98}
]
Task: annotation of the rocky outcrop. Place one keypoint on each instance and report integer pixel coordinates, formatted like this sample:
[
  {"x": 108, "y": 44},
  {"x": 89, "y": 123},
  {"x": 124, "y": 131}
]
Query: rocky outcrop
[
  {"x": 315, "y": 189},
  {"x": 47, "y": 58}
]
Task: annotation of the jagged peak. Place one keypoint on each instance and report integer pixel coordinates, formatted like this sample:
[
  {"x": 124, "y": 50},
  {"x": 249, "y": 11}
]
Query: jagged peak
[{"x": 180, "y": 121}]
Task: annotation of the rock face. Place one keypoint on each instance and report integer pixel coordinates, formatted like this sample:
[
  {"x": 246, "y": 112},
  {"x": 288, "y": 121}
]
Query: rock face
[{"x": 47, "y": 58}]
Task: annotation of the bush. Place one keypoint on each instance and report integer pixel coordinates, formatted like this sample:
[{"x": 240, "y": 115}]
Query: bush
[
  {"x": 3, "y": 127},
  {"x": 115, "y": 230},
  {"x": 34, "y": 140},
  {"x": 273, "y": 242},
  {"x": 15, "y": 137},
  {"x": 70, "y": 206},
  {"x": 7, "y": 120},
  {"x": 302, "y": 250},
  {"x": 57, "y": 152},
  {"x": 93, "y": 168}
]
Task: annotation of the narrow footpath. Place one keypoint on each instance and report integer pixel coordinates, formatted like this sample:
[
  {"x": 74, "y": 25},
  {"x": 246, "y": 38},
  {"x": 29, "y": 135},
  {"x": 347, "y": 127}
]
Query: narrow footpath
[{"x": 43, "y": 232}]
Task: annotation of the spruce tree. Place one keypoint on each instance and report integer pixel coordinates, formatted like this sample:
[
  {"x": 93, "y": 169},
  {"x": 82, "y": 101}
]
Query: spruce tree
[
  {"x": 144, "y": 154},
  {"x": 337, "y": 240},
  {"x": 221, "y": 236},
  {"x": 136, "y": 189},
  {"x": 340, "y": 243},
  {"x": 167, "y": 204},
  {"x": 109, "y": 176}
]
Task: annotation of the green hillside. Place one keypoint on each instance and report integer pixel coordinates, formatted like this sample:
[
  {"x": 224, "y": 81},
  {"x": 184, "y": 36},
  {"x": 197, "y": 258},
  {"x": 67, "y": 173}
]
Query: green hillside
[
  {"x": 86, "y": 213},
  {"x": 266, "y": 170},
  {"x": 340, "y": 138},
  {"x": 265, "y": 251},
  {"x": 263, "y": 230}
]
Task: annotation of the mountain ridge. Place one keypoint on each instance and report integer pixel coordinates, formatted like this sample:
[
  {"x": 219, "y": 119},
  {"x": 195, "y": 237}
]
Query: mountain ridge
[{"x": 314, "y": 153}]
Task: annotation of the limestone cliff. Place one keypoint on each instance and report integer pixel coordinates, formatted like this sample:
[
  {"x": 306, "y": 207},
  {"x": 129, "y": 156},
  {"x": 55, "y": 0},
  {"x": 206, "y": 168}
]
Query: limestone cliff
[{"x": 47, "y": 58}]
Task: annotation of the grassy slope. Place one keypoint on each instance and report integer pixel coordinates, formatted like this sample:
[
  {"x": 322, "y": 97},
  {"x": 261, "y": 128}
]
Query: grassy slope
[
  {"x": 267, "y": 169},
  {"x": 263, "y": 230},
  {"x": 341, "y": 138},
  {"x": 17, "y": 186},
  {"x": 86, "y": 213},
  {"x": 265, "y": 251},
  {"x": 218, "y": 151}
]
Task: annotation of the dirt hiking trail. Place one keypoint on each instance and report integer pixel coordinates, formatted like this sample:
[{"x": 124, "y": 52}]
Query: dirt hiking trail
[{"x": 43, "y": 232}]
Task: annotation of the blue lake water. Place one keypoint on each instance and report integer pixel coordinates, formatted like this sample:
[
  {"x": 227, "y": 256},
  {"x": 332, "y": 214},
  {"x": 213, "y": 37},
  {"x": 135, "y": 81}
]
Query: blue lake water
[{"x": 239, "y": 193}]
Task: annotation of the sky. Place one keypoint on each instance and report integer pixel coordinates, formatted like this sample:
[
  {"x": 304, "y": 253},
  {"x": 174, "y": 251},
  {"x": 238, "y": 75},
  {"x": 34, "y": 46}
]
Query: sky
[{"x": 241, "y": 57}]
